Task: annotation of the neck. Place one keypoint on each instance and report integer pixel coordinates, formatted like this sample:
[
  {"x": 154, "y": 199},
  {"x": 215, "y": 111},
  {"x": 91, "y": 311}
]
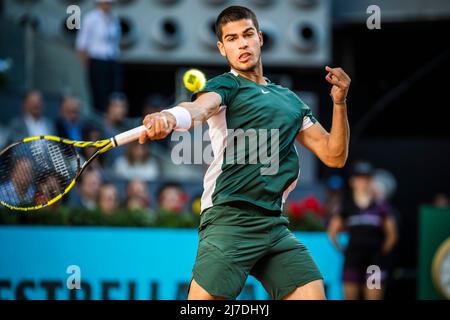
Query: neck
[{"x": 255, "y": 75}]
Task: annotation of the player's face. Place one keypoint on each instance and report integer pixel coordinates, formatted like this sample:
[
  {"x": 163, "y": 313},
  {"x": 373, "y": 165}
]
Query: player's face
[{"x": 241, "y": 44}]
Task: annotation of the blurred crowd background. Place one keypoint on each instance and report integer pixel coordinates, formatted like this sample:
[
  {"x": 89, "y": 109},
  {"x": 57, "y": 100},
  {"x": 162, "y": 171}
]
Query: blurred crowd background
[{"x": 95, "y": 82}]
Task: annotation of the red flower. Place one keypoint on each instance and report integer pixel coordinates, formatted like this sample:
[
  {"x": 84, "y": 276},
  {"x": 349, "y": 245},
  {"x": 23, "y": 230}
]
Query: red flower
[{"x": 308, "y": 204}]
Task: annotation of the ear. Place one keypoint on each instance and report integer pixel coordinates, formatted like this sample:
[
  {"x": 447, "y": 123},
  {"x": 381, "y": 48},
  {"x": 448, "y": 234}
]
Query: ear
[
  {"x": 221, "y": 48},
  {"x": 261, "y": 39}
]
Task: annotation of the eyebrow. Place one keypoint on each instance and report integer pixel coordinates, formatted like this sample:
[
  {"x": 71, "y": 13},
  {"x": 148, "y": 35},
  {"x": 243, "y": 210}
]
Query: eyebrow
[{"x": 235, "y": 34}]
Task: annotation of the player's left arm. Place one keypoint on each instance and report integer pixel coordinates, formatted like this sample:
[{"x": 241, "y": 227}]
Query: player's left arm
[{"x": 331, "y": 147}]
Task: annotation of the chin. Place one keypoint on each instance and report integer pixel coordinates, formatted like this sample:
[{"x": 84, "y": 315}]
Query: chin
[{"x": 245, "y": 66}]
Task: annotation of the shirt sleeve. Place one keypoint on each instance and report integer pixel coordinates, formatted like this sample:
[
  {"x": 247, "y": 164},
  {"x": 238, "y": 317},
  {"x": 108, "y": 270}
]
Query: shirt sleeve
[
  {"x": 223, "y": 85},
  {"x": 81, "y": 42},
  {"x": 308, "y": 117}
]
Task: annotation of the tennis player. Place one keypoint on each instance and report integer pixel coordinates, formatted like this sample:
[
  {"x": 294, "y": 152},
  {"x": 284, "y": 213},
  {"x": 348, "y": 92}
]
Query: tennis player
[{"x": 242, "y": 229}]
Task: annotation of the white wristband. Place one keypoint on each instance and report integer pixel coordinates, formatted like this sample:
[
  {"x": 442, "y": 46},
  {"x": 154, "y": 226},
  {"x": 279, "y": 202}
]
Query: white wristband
[{"x": 183, "y": 117}]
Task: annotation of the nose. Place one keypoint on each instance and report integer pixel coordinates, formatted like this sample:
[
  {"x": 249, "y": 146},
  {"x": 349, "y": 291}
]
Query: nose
[{"x": 243, "y": 43}]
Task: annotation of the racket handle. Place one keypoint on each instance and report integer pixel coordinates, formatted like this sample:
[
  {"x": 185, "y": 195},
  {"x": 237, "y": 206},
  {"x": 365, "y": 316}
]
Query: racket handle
[{"x": 127, "y": 136}]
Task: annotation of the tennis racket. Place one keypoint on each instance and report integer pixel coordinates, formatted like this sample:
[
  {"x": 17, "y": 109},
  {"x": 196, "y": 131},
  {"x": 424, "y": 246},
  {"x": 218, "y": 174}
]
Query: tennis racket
[{"x": 38, "y": 171}]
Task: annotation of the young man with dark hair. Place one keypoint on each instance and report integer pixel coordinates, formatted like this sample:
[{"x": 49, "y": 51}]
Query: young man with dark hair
[{"x": 242, "y": 229}]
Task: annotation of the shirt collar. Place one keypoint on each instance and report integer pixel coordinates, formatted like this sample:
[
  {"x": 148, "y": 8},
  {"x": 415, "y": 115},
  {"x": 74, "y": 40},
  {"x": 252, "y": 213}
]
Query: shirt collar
[
  {"x": 29, "y": 118},
  {"x": 235, "y": 73}
]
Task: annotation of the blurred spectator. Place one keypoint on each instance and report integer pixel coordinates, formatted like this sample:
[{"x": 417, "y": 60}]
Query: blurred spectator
[
  {"x": 114, "y": 123},
  {"x": 48, "y": 188},
  {"x": 32, "y": 122},
  {"x": 372, "y": 233},
  {"x": 98, "y": 45},
  {"x": 20, "y": 188},
  {"x": 69, "y": 124},
  {"x": 171, "y": 198},
  {"x": 91, "y": 133},
  {"x": 137, "y": 163},
  {"x": 441, "y": 200},
  {"x": 137, "y": 195},
  {"x": 4, "y": 135},
  {"x": 334, "y": 196},
  {"x": 86, "y": 194},
  {"x": 384, "y": 185},
  {"x": 135, "y": 203},
  {"x": 115, "y": 116},
  {"x": 108, "y": 200}
]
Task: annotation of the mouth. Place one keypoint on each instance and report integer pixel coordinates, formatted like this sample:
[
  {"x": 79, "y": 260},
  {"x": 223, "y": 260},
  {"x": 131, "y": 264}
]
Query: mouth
[{"x": 244, "y": 57}]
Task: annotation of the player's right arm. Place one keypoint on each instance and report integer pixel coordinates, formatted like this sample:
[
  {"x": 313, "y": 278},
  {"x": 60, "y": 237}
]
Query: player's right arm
[{"x": 161, "y": 124}]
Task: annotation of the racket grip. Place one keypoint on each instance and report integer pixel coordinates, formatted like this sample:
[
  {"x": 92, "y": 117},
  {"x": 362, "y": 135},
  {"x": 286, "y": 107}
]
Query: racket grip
[{"x": 127, "y": 136}]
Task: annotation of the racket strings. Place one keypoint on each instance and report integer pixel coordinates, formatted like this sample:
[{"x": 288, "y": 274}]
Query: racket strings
[{"x": 36, "y": 172}]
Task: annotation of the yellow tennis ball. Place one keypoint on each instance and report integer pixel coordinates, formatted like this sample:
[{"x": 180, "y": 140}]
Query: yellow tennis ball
[
  {"x": 194, "y": 80},
  {"x": 196, "y": 206}
]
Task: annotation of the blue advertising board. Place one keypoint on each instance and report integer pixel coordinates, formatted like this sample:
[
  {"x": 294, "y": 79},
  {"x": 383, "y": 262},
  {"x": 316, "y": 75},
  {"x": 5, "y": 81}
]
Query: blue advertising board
[{"x": 122, "y": 263}]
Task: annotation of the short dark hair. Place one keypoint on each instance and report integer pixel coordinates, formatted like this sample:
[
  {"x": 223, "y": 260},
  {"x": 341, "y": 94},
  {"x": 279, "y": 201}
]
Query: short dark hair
[
  {"x": 167, "y": 185},
  {"x": 234, "y": 13},
  {"x": 29, "y": 92}
]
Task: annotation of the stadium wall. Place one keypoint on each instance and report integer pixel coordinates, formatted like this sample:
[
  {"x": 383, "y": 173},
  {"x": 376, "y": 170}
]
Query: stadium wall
[{"x": 121, "y": 263}]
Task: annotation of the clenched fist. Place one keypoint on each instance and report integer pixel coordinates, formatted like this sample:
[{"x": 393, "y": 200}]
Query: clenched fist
[
  {"x": 340, "y": 81},
  {"x": 159, "y": 125}
]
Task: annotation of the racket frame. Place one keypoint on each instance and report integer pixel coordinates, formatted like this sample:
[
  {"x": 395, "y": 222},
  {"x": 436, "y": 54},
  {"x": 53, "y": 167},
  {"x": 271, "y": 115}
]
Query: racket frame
[{"x": 101, "y": 145}]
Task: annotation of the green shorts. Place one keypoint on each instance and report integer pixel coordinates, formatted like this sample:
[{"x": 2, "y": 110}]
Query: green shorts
[{"x": 236, "y": 240}]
